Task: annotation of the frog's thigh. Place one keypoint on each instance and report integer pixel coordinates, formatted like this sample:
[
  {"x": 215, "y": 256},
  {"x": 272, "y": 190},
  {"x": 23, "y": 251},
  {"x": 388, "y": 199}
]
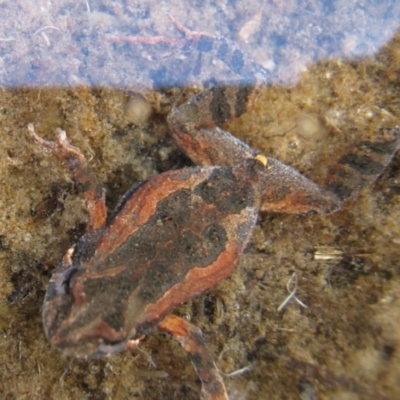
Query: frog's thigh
[
  {"x": 195, "y": 125},
  {"x": 191, "y": 339}
]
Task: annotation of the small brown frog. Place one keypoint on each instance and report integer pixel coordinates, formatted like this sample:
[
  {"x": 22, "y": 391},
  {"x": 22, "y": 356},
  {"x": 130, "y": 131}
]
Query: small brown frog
[{"x": 181, "y": 232}]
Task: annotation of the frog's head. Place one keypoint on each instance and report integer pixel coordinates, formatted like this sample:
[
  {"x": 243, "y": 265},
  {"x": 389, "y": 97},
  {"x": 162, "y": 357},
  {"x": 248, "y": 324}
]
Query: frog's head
[{"x": 75, "y": 323}]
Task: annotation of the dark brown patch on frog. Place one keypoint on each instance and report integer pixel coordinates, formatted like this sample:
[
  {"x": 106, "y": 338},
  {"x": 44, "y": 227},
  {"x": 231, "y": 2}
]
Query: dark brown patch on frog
[
  {"x": 86, "y": 246},
  {"x": 135, "y": 249},
  {"x": 219, "y": 106},
  {"x": 363, "y": 164},
  {"x": 380, "y": 148},
  {"x": 178, "y": 250},
  {"x": 118, "y": 289},
  {"x": 351, "y": 174},
  {"x": 342, "y": 191},
  {"x": 140, "y": 207},
  {"x": 176, "y": 207},
  {"x": 229, "y": 195},
  {"x": 242, "y": 100},
  {"x": 171, "y": 215}
]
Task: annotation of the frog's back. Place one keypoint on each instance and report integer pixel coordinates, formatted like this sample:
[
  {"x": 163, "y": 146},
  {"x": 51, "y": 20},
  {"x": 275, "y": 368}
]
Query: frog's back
[{"x": 172, "y": 238}]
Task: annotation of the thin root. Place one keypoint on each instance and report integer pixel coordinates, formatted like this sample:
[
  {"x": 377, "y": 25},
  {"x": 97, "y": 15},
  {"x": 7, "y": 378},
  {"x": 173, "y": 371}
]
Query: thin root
[{"x": 292, "y": 293}]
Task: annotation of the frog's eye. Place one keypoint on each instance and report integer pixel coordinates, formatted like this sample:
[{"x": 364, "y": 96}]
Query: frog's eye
[{"x": 60, "y": 281}]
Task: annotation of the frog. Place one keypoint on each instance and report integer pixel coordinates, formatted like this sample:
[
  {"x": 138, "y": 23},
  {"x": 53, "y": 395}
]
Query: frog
[{"x": 179, "y": 233}]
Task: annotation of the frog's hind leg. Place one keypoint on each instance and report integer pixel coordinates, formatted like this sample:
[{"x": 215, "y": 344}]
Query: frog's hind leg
[
  {"x": 288, "y": 191},
  {"x": 191, "y": 339},
  {"x": 195, "y": 125},
  {"x": 363, "y": 164},
  {"x": 82, "y": 173}
]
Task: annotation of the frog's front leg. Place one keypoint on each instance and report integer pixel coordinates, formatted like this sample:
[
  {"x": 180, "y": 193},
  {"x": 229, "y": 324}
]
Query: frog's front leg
[
  {"x": 82, "y": 173},
  {"x": 191, "y": 339}
]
